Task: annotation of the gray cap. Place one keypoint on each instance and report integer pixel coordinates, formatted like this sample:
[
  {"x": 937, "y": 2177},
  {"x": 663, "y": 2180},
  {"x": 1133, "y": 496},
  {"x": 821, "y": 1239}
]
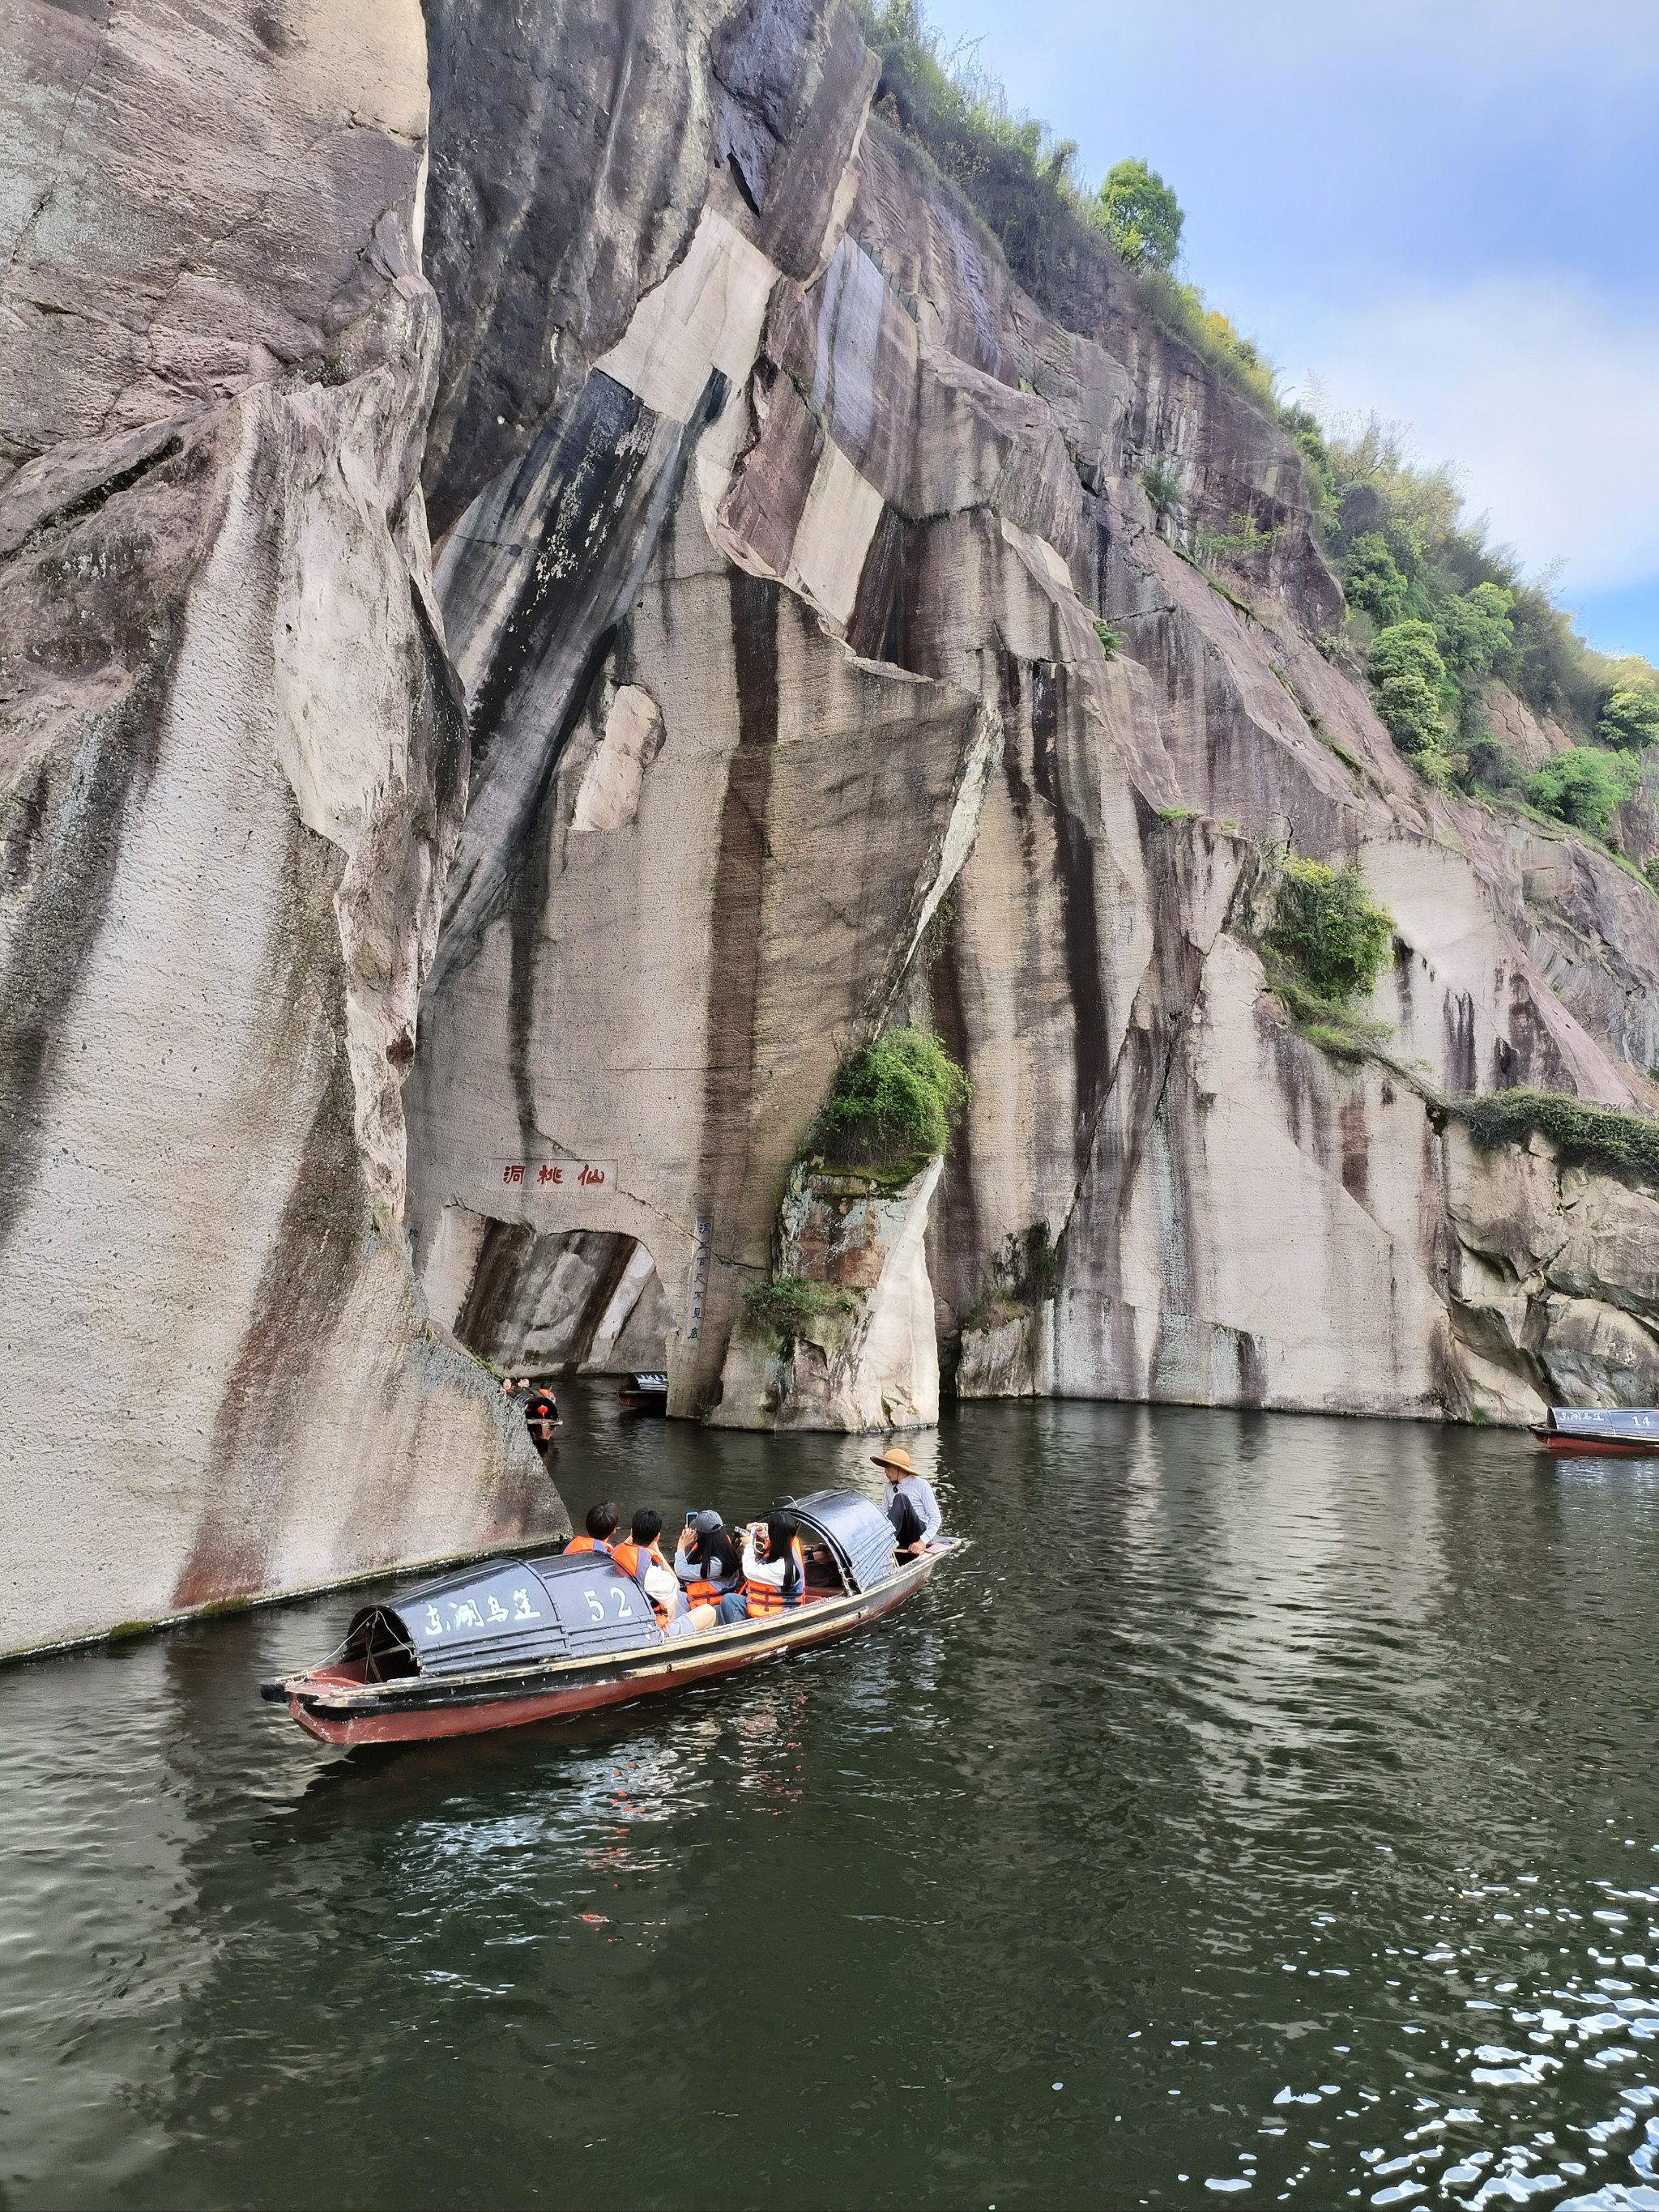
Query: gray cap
[{"x": 707, "y": 1521}]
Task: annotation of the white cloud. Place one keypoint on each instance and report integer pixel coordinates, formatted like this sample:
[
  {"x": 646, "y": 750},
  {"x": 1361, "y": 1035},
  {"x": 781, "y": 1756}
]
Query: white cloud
[{"x": 1541, "y": 391}]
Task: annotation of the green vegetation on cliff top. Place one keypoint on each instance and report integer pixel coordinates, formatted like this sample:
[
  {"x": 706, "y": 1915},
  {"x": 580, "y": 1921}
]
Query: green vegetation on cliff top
[
  {"x": 1599, "y": 1136},
  {"x": 1408, "y": 556},
  {"x": 1023, "y": 184},
  {"x": 1439, "y": 612}
]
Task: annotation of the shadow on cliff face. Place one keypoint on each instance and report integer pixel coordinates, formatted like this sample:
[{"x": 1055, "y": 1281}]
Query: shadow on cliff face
[{"x": 563, "y": 1299}]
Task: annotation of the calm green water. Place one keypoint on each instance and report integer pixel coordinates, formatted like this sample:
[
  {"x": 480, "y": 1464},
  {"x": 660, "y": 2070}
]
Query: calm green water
[{"x": 1264, "y": 1809}]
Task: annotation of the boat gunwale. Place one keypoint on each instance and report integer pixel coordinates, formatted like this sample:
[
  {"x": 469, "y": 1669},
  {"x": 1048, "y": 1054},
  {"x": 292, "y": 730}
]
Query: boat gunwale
[{"x": 642, "y": 1660}]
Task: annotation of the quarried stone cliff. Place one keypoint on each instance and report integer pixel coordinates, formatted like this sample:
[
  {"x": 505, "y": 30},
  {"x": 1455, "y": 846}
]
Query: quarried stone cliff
[
  {"x": 396, "y": 945},
  {"x": 233, "y": 769},
  {"x": 808, "y": 728}
]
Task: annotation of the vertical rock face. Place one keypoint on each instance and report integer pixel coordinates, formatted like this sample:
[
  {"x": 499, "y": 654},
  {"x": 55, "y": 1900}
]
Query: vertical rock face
[
  {"x": 231, "y": 771},
  {"x": 868, "y": 1358},
  {"x": 777, "y": 617},
  {"x": 515, "y": 910}
]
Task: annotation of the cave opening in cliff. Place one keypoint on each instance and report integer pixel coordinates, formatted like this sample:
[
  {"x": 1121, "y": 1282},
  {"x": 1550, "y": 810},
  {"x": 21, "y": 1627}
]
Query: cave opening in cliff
[{"x": 545, "y": 1302}]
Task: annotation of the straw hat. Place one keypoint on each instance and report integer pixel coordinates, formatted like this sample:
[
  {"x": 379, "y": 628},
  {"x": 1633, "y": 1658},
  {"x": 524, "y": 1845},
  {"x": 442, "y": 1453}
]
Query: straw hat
[{"x": 895, "y": 1456}]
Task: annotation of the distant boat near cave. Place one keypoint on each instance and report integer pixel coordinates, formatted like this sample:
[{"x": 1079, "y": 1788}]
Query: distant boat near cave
[
  {"x": 1626, "y": 1431},
  {"x": 643, "y": 1394}
]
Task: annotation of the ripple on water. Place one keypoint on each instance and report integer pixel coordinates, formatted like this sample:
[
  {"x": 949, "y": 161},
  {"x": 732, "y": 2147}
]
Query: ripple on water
[{"x": 1244, "y": 1766}]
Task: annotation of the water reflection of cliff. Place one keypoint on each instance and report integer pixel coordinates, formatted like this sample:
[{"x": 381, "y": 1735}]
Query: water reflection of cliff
[
  {"x": 545, "y": 1912},
  {"x": 1252, "y": 1778}
]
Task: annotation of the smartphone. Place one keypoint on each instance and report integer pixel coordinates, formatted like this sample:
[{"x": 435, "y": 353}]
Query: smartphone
[{"x": 690, "y": 1517}]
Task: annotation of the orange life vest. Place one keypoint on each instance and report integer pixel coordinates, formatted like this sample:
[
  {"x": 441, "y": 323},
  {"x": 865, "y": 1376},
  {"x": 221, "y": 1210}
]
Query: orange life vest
[
  {"x": 587, "y": 1544},
  {"x": 632, "y": 1558},
  {"x": 763, "y": 1599},
  {"x": 703, "y": 1591}
]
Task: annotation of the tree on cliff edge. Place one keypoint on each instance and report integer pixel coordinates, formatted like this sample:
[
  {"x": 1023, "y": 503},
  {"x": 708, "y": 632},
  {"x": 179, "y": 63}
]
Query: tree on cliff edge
[{"x": 1141, "y": 215}]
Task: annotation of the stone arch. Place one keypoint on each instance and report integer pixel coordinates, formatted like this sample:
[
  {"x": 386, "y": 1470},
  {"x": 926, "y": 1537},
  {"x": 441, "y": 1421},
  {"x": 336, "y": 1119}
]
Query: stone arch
[{"x": 559, "y": 1301}]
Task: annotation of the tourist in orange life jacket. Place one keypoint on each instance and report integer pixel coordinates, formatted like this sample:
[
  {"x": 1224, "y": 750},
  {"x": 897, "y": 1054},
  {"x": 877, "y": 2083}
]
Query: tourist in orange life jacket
[
  {"x": 706, "y": 1559},
  {"x": 774, "y": 1572},
  {"x": 601, "y": 1528},
  {"x": 642, "y": 1557}
]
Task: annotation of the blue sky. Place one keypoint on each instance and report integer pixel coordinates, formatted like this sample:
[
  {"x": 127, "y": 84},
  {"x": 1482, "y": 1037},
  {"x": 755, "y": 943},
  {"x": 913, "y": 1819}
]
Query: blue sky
[{"x": 1447, "y": 210}]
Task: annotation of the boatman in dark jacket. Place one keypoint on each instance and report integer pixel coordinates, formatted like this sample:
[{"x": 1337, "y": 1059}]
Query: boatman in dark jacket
[
  {"x": 541, "y": 1412},
  {"x": 911, "y": 1505}
]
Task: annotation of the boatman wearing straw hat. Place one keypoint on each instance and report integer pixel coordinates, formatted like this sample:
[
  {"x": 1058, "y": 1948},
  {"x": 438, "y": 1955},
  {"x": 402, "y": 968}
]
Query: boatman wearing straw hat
[{"x": 911, "y": 1505}]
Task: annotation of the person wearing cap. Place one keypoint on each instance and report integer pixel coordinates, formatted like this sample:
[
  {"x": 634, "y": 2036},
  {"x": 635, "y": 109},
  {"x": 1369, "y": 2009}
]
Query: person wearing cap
[
  {"x": 707, "y": 1559},
  {"x": 911, "y": 1505}
]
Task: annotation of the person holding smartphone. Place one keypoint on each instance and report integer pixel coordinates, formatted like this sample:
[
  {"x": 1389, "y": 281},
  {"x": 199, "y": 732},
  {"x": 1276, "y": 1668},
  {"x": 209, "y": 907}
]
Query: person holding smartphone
[
  {"x": 774, "y": 1572},
  {"x": 706, "y": 1557}
]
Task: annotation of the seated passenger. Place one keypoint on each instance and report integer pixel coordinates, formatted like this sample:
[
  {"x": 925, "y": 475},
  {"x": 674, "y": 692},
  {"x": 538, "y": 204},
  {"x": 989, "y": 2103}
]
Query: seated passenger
[
  {"x": 642, "y": 1557},
  {"x": 706, "y": 1559},
  {"x": 601, "y": 1528},
  {"x": 774, "y": 1572},
  {"x": 911, "y": 1505}
]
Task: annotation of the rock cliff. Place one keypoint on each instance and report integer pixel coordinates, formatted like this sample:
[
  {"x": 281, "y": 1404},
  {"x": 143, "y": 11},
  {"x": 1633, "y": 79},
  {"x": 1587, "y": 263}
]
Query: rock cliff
[
  {"x": 232, "y": 767},
  {"x": 395, "y": 943}
]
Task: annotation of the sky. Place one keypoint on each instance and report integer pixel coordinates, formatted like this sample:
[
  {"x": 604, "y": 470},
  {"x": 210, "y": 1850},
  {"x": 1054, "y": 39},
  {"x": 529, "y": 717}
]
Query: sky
[{"x": 1443, "y": 211}]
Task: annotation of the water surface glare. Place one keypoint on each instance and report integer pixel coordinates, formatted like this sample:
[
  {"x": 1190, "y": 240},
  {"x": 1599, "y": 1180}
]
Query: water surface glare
[{"x": 1264, "y": 1811}]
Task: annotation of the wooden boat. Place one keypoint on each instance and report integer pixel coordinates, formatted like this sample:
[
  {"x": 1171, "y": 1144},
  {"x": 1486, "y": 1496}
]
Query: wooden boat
[
  {"x": 1625, "y": 1431},
  {"x": 643, "y": 1394},
  {"x": 506, "y": 1641}
]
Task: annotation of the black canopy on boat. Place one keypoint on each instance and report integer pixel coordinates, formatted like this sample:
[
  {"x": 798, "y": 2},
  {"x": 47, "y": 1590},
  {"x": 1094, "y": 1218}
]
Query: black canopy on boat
[
  {"x": 859, "y": 1534},
  {"x": 506, "y": 1611}
]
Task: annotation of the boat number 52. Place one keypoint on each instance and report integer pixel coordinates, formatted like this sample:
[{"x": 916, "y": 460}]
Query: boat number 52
[{"x": 596, "y": 1605}]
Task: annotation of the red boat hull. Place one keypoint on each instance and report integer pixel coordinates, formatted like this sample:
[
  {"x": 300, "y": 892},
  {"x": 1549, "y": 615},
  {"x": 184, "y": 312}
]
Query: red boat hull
[
  {"x": 332, "y": 1710},
  {"x": 1551, "y": 1440}
]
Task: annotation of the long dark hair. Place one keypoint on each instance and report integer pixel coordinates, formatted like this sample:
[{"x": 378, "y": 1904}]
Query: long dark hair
[
  {"x": 781, "y": 1529},
  {"x": 716, "y": 1549}
]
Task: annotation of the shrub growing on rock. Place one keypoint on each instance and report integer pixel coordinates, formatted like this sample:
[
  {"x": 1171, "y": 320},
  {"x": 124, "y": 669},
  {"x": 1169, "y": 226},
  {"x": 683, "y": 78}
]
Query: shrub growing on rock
[
  {"x": 1162, "y": 482},
  {"x": 1630, "y": 720},
  {"x": 1602, "y": 1135},
  {"x": 1474, "y": 632},
  {"x": 1409, "y": 679},
  {"x": 1582, "y": 787},
  {"x": 1374, "y": 582},
  {"x": 1327, "y": 930},
  {"x": 898, "y": 1098},
  {"x": 787, "y": 1306}
]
